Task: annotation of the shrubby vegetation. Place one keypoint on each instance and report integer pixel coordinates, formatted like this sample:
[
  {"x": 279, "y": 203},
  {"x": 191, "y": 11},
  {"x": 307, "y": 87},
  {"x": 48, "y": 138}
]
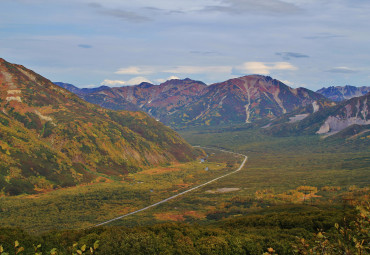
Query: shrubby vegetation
[
  {"x": 282, "y": 230},
  {"x": 287, "y": 200},
  {"x": 107, "y": 198}
]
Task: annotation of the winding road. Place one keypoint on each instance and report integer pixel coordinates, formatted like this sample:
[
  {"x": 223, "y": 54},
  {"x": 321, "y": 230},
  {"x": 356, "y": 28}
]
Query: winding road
[{"x": 184, "y": 192}]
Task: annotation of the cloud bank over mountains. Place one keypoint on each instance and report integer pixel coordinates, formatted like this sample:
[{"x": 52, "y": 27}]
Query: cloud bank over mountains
[{"x": 306, "y": 42}]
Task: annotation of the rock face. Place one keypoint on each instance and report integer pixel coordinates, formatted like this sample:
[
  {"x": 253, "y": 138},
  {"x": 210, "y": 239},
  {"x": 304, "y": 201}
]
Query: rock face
[
  {"x": 51, "y": 138},
  {"x": 188, "y": 102},
  {"x": 330, "y": 119},
  {"x": 352, "y": 112},
  {"x": 339, "y": 93}
]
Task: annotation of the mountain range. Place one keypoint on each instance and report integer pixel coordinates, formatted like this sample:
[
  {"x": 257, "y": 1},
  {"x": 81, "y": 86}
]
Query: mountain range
[
  {"x": 50, "y": 138},
  {"x": 287, "y": 111},
  {"x": 341, "y": 93},
  {"x": 179, "y": 103}
]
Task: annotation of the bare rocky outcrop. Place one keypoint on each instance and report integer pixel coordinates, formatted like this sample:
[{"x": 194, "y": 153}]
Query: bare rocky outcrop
[
  {"x": 336, "y": 124},
  {"x": 355, "y": 112}
]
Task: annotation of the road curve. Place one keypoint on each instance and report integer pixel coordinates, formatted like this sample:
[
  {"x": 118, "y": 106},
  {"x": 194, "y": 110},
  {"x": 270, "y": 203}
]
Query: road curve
[{"x": 181, "y": 193}]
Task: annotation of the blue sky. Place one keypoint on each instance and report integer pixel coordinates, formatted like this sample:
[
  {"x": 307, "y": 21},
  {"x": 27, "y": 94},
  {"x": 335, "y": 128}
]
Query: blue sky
[{"x": 309, "y": 43}]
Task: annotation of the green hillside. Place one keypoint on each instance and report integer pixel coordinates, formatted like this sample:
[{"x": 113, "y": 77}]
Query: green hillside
[{"x": 49, "y": 138}]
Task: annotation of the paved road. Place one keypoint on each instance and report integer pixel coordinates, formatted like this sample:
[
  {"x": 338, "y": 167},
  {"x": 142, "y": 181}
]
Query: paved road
[{"x": 184, "y": 192}]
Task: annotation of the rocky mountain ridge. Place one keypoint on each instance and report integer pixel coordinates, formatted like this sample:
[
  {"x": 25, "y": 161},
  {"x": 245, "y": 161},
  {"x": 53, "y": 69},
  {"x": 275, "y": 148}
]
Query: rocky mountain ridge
[
  {"x": 350, "y": 116},
  {"x": 355, "y": 111},
  {"x": 244, "y": 100},
  {"x": 187, "y": 102},
  {"x": 341, "y": 93}
]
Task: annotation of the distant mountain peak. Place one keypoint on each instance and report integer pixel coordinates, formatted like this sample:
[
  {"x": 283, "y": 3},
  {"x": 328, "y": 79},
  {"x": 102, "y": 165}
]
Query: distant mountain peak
[
  {"x": 341, "y": 93},
  {"x": 72, "y": 88},
  {"x": 179, "y": 82},
  {"x": 145, "y": 85}
]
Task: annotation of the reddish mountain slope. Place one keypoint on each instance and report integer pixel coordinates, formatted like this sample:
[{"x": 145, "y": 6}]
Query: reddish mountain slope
[
  {"x": 188, "y": 102},
  {"x": 244, "y": 99},
  {"x": 159, "y": 100}
]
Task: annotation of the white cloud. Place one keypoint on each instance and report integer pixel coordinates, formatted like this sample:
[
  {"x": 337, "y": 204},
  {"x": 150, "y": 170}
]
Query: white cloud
[
  {"x": 112, "y": 83},
  {"x": 199, "y": 69},
  {"x": 263, "y": 67},
  {"x": 342, "y": 69},
  {"x": 289, "y": 83},
  {"x": 119, "y": 13},
  {"x": 255, "y": 67},
  {"x": 283, "y": 66},
  {"x": 146, "y": 70},
  {"x": 135, "y": 70},
  {"x": 137, "y": 80},
  {"x": 160, "y": 80},
  {"x": 90, "y": 86},
  {"x": 274, "y": 7},
  {"x": 247, "y": 67},
  {"x": 117, "y": 83},
  {"x": 172, "y": 77}
]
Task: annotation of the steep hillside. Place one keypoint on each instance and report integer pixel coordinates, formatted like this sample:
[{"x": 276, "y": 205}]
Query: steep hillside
[
  {"x": 355, "y": 111},
  {"x": 341, "y": 93},
  {"x": 344, "y": 119},
  {"x": 187, "y": 102},
  {"x": 50, "y": 138},
  {"x": 300, "y": 113}
]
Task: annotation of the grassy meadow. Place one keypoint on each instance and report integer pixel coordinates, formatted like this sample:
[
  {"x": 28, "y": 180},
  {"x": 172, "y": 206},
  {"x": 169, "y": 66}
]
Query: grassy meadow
[{"x": 283, "y": 163}]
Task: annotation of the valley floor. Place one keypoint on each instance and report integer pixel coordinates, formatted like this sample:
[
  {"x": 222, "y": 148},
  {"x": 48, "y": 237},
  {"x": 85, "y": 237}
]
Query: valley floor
[
  {"x": 87, "y": 205},
  {"x": 285, "y": 178}
]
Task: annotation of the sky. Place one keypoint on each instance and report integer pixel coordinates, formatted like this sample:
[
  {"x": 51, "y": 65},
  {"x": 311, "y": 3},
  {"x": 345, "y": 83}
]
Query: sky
[{"x": 303, "y": 43}]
